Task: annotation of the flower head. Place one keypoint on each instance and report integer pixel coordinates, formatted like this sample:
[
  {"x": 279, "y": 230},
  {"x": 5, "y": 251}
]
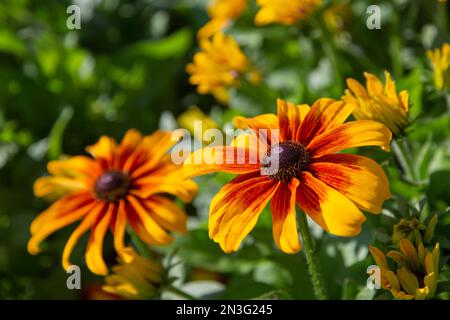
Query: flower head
[
  {"x": 221, "y": 12},
  {"x": 122, "y": 183},
  {"x": 285, "y": 12},
  {"x": 331, "y": 188},
  {"x": 218, "y": 66},
  {"x": 415, "y": 273},
  {"x": 414, "y": 231},
  {"x": 378, "y": 103},
  {"x": 134, "y": 277},
  {"x": 440, "y": 58}
]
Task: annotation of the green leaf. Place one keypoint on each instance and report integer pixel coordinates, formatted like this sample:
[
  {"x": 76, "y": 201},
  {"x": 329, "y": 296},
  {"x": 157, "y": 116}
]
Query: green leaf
[{"x": 56, "y": 134}]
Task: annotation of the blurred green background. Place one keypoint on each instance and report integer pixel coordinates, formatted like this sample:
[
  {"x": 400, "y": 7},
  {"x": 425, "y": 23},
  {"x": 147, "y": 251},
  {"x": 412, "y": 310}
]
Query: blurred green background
[{"x": 61, "y": 89}]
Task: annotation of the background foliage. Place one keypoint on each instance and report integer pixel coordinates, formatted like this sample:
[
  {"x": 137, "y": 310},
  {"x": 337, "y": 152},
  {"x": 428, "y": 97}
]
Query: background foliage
[{"x": 60, "y": 90}]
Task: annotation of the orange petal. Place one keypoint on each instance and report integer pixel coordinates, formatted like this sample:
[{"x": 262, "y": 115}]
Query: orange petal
[
  {"x": 59, "y": 221},
  {"x": 330, "y": 209},
  {"x": 167, "y": 214},
  {"x": 128, "y": 145},
  {"x": 359, "y": 178},
  {"x": 150, "y": 225},
  {"x": 120, "y": 228},
  {"x": 104, "y": 150},
  {"x": 325, "y": 114},
  {"x": 138, "y": 227},
  {"x": 53, "y": 188},
  {"x": 61, "y": 207},
  {"x": 350, "y": 135},
  {"x": 284, "y": 218},
  {"x": 264, "y": 121},
  {"x": 84, "y": 226},
  {"x": 289, "y": 118},
  {"x": 75, "y": 167},
  {"x": 94, "y": 252},
  {"x": 221, "y": 158},
  {"x": 235, "y": 209}
]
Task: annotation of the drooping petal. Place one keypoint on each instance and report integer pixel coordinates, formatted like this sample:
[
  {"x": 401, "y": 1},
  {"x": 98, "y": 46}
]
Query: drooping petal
[
  {"x": 284, "y": 218},
  {"x": 153, "y": 228},
  {"x": 221, "y": 158},
  {"x": 94, "y": 252},
  {"x": 359, "y": 178},
  {"x": 167, "y": 214},
  {"x": 84, "y": 226},
  {"x": 349, "y": 135},
  {"x": 57, "y": 222},
  {"x": 235, "y": 209},
  {"x": 330, "y": 209},
  {"x": 119, "y": 230},
  {"x": 324, "y": 115}
]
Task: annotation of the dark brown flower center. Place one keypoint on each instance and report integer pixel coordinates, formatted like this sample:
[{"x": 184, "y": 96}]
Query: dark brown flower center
[
  {"x": 112, "y": 185},
  {"x": 286, "y": 160}
]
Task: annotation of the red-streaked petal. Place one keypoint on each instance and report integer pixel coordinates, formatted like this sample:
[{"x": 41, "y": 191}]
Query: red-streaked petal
[
  {"x": 58, "y": 221},
  {"x": 360, "y": 179},
  {"x": 330, "y": 209},
  {"x": 325, "y": 114},
  {"x": 149, "y": 223},
  {"x": 264, "y": 121},
  {"x": 349, "y": 135},
  {"x": 167, "y": 214},
  {"x": 105, "y": 150},
  {"x": 94, "y": 252},
  {"x": 84, "y": 226},
  {"x": 284, "y": 218},
  {"x": 236, "y": 208},
  {"x": 289, "y": 119},
  {"x": 221, "y": 158}
]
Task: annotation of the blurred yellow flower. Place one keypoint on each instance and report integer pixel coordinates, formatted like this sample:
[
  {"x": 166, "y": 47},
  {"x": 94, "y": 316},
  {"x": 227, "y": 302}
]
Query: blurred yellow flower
[
  {"x": 414, "y": 230},
  {"x": 120, "y": 184},
  {"x": 222, "y": 13},
  {"x": 440, "y": 58},
  {"x": 378, "y": 103},
  {"x": 134, "y": 277},
  {"x": 219, "y": 66},
  {"x": 285, "y": 12},
  {"x": 188, "y": 118},
  {"x": 415, "y": 273},
  {"x": 337, "y": 16}
]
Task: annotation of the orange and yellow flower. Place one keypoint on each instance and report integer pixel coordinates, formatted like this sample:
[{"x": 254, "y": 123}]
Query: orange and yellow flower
[
  {"x": 122, "y": 183},
  {"x": 219, "y": 66},
  {"x": 378, "y": 103},
  {"x": 285, "y": 12},
  {"x": 222, "y": 13},
  {"x": 440, "y": 58},
  {"x": 134, "y": 277},
  {"x": 415, "y": 273},
  {"x": 332, "y": 188}
]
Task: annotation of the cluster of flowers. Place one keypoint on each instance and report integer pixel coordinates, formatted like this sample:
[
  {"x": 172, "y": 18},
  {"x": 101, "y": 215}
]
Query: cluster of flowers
[{"x": 129, "y": 183}]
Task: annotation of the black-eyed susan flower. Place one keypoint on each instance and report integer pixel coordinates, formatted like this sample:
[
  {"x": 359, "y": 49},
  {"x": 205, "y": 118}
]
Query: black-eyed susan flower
[
  {"x": 440, "y": 59},
  {"x": 121, "y": 184},
  {"x": 331, "y": 188},
  {"x": 219, "y": 66},
  {"x": 286, "y": 12},
  {"x": 134, "y": 277},
  {"x": 378, "y": 102},
  {"x": 415, "y": 273},
  {"x": 222, "y": 13}
]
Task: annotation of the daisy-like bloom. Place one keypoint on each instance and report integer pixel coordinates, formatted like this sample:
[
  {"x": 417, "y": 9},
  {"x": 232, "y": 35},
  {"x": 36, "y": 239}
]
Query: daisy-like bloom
[
  {"x": 222, "y": 13},
  {"x": 440, "y": 58},
  {"x": 378, "y": 103},
  {"x": 122, "y": 183},
  {"x": 331, "y": 188},
  {"x": 286, "y": 12},
  {"x": 134, "y": 277},
  {"x": 415, "y": 273},
  {"x": 219, "y": 66}
]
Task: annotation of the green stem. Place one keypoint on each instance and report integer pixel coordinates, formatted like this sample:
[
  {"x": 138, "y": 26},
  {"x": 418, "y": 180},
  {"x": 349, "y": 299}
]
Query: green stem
[
  {"x": 180, "y": 292},
  {"x": 311, "y": 259},
  {"x": 403, "y": 158}
]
